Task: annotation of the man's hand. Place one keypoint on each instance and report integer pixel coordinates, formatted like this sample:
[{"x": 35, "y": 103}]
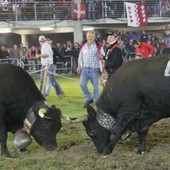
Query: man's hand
[
  {"x": 78, "y": 69},
  {"x": 38, "y": 55}
]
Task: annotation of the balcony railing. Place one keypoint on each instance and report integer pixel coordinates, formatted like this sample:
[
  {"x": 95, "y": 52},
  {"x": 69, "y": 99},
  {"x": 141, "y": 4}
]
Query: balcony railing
[{"x": 17, "y": 11}]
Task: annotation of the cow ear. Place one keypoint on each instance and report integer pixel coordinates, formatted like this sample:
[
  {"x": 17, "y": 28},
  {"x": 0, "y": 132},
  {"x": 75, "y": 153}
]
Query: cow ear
[{"x": 91, "y": 112}]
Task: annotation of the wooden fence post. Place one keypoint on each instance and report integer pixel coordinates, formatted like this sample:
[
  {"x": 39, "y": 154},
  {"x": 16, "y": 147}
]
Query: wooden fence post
[{"x": 45, "y": 80}]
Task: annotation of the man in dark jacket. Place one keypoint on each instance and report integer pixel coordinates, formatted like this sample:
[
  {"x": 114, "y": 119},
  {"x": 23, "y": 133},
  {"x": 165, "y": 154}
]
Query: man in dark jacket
[{"x": 113, "y": 58}]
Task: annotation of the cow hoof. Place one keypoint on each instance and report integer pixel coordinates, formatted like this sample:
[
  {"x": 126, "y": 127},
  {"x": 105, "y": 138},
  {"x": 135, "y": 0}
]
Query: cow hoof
[
  {"x": 104, "y": 156},
  {"x": 140, "y": 152},
  {"x": 6, "y": 155},
  {"x": 24, "y": 150}
]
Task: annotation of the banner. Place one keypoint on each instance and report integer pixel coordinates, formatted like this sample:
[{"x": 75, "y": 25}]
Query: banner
[{"x": 136, "y": 14}]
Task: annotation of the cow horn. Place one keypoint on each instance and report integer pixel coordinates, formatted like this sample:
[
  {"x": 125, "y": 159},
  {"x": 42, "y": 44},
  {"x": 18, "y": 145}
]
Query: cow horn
[
  {"x": 79, "y": 120},
  {"x": 42, "y": 112}
]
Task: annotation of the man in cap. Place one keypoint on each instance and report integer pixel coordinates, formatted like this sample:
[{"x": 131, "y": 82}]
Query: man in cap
[
  {"x": 113, "y": 58},
  {"x": 56, "y": 54},
  {"x": 47, "y": 59}
]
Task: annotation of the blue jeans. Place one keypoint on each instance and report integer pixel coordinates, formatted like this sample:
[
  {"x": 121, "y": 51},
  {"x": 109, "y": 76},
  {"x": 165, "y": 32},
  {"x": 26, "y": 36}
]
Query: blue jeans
[
  {"x": 167, "y": 41},
  {"x": 51, "y": 79},
  {"x": 91, "y": 74}
]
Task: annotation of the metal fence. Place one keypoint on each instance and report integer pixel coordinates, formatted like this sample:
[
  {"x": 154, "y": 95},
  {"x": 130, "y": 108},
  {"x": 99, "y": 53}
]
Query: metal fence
[
  {"x": 64, "y": 10},
  {"x": 33, "y": 66}
]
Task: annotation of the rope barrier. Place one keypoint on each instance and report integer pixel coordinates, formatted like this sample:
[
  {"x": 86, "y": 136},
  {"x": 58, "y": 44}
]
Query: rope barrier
[
  {"x": 53, "y": 74},
  {"x": 62, "y": 76},
  {"x": 36, "y": 71}
]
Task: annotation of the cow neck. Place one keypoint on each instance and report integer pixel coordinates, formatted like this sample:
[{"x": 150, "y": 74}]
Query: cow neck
[
  {"x": 105, "y": 120},
  {"x": 31, "y": 117}
]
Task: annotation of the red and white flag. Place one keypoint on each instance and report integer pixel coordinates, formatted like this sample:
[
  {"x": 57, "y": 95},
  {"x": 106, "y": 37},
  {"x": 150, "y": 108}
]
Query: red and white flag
[
  {"x": 79, "y": 11},
  {"x": 136, "y": 14}
]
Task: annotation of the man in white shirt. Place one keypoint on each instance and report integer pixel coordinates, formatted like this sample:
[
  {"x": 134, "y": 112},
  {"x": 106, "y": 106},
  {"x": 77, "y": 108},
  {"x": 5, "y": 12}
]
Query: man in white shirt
[{"x": 47, "y": 58}]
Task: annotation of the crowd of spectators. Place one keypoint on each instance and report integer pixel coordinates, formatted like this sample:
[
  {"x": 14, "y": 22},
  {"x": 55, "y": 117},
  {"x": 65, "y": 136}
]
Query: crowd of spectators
[{"x": 27, "y": 56}]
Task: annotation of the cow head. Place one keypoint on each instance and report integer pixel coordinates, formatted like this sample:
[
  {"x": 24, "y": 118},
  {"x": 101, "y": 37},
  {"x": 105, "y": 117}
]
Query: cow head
[
  {"x": 46, "y": 126},
  {"x": 99, "y": 134}
]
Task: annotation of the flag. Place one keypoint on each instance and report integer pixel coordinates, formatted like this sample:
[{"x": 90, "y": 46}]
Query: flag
[
  {"x": 79, "y": 11},
  {"x": 136, "y": 14}
]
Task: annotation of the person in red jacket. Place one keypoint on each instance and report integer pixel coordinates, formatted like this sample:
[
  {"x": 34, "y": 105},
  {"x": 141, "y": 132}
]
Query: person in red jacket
[{"x": 143, "y": 49}]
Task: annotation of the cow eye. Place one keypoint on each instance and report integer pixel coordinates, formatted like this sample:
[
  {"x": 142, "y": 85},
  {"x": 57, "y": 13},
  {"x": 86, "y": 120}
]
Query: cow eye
[{"x": 91, "y": 133}]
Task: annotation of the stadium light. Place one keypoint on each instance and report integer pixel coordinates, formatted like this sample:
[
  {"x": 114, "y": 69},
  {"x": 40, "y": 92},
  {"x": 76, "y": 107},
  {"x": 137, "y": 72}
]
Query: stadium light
[
  {"x": 46, "y": 29},
  {"x": 5, "y": 30},
  {"x": 88, "y": 29}
]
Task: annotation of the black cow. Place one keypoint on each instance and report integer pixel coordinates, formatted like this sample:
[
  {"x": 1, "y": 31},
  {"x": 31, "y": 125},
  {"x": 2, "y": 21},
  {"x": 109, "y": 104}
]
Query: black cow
[
  {"x": 23, "y": 105},
  {"x": 136, "y": 96}
]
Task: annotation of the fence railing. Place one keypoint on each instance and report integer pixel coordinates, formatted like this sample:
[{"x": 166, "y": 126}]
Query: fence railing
[
  {"x": 33, "y": 66},
  {"x": 64, "y": 10}
]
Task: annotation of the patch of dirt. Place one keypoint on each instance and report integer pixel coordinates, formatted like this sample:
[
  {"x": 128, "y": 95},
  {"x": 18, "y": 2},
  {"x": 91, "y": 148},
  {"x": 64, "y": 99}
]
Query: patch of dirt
[{"x": 124, "y": 157}]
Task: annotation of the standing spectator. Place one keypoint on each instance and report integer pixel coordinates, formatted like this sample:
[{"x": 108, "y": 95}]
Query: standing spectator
[
  {"x": 99, "y": 38},
  {"x": 32, "y": 57},
  {"x": 154, "y": 41},
  {"x": 60, "y": 49},
  {"x": 14, "y": 54},
  {"x": 113, "y": 58},
  {"x": 24, "y": 54},
  {"x": 4, "y": 54},
  {"x": 132, "y": 36},
  {"x": 76, "y": 50},
  {"x": 144, "y": 37},
  {"x": 89, "y": 66},
  {"x": 69, "y": 46},
  {"x": 143, "y": 50},
  {"x": 162, "y": 46},
  {"x": 91, "y": 4},
  {"x": 166, "y": 36},
  {"x": 47, "y": 59},
  {"x": 21, "y": 47},
  {"x": 56, "y": 54}
]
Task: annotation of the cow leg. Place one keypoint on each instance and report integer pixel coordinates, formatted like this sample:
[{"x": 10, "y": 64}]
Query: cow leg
[
  {"x": 3, "y": 138},
  {"x": 4, "y": 150},
  {"x": 121, "y": 125},
  {"x": 142, "y": 140}
]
